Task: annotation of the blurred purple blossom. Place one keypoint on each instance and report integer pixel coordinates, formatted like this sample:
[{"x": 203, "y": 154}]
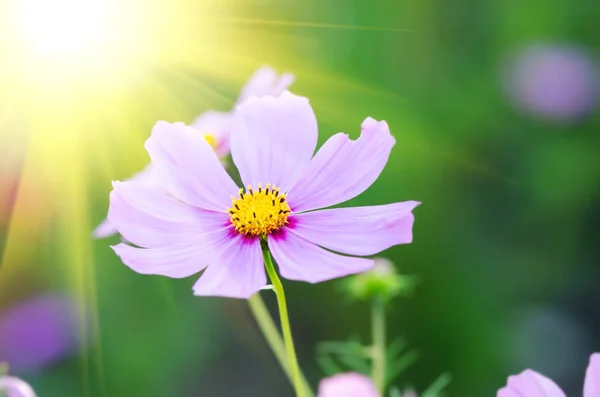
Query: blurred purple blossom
[
  {"x": 15, "y": 387},
  {"x": 38, "y": 332},
  {"x": 553, "y": 82}
]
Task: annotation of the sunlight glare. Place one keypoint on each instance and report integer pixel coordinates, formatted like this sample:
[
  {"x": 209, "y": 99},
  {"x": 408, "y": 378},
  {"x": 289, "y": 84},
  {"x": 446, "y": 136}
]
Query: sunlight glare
[
  {"x": 68, "y": 46},
  {"x": 63, "y": 26}
]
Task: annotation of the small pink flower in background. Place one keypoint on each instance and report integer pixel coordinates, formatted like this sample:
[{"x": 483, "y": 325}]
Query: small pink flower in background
[
  {"x": 215, "y": 127},
  {"x": 553, "y": 82},
  {"x": 205, "y": 221},
  {"x": 15, "y": 387},
  {"x": 265, "y": 81},
  {"x": 38, "y": 332},
  {"x": 532, "y": 384},
  {"x": 591, "y": 387},
  {"x": 351, "y": 384}
]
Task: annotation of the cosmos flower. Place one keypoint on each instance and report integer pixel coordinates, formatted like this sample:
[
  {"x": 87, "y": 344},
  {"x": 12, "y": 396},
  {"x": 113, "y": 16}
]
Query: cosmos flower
[
  {"x": 38, "y": 332},
  {"x": 215, "y": 127},
  {"x": 350, "y": 384},
  {"x": 531, "y": 384},
  {"x": 204, "y": 219},
  {"x": 553, "y": 82},
  {"x": 15, "y": 387}
]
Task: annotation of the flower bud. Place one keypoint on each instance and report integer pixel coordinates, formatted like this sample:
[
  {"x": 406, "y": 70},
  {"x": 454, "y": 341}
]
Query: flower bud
[{"x": 381, "y": 281}]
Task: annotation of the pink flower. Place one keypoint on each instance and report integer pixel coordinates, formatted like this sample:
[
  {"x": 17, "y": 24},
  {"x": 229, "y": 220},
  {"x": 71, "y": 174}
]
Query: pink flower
[
  {"x": 15, "y": 387},
  {"x": 265, "y": 81},
  {"x": 205, "y": 221},
  {"x": 531, "y": 384},
  {"x": 216, "y": 127},
  {"x": 347, "y": 385}
]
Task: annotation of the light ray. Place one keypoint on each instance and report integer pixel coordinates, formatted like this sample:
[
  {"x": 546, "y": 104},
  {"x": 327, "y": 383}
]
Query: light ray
[{"x": 318, "y": 25}]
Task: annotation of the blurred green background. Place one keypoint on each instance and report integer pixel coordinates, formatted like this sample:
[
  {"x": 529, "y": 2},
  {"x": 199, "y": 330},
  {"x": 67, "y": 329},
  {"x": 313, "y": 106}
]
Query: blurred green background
[{"x": 493, "y": 106}]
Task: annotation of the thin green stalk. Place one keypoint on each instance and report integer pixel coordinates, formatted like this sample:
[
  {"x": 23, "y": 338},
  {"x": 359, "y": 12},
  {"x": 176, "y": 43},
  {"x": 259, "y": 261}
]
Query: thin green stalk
[
  {"x": 285, "y": 325},
  {"x": 273, "y": 338},
  {"x": 378, "y": 353},
  {"x": 3, "y": 372}
]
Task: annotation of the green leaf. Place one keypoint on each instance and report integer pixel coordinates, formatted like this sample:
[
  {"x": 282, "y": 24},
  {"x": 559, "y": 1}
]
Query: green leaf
[
  {"x": 349, "y": 354},
  {"x": 328, "y": 365},
  {"x": 358, "y": 364},
  {"x": 395, "y": 348},
  {"x": 399, "y": 365},
  {"x": 349, "y": 347},
  {"x": 437, "y": 386}
]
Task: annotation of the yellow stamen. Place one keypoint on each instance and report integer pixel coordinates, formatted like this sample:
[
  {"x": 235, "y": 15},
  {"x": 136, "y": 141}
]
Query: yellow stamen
[
  {"x": 212, "y": 141},
  {"x": 259, "y": 212}
]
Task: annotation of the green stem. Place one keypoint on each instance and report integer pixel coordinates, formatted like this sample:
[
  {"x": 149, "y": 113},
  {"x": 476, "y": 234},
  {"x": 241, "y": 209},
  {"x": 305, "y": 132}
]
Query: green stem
[
  {"x": 3, "y": 372},
  {"x": 285, "y": 325},
  {"x": 273, "y": 337},
  {"x": 378, "y": 353}
]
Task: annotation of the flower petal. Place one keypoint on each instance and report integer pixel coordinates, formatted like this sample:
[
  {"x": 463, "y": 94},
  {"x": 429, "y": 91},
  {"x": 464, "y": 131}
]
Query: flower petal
[
  {"x": 104, "y": 229},
  {"x": 282, "y": 84},
  {"x": 342, "y": 168},
  {"x": 238, "y": 271},
  {"x": 591, "y": 387},
  {"x": 218, "y": 125},
  {"x": 273, "y": 139},
  {"x": 299, "y": 259},
  {"x": 176, "y": 261},
  {"x": 358, "y": 230},
  {"x": 15, "y": 387},
  {"x": 350, "y": 384},
  {"x": 530, "y": 384},
  {"x": 150, "y": 218},
  {"x": 265, "y": 81},
  {"x": 146, "y": 176},
  {"x": 189, "y": 167}
]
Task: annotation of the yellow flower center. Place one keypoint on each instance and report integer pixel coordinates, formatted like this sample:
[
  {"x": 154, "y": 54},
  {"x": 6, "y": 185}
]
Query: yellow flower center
[
  {"x": 259, "y": 212},
  {"x": 212, "y": 141}
]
